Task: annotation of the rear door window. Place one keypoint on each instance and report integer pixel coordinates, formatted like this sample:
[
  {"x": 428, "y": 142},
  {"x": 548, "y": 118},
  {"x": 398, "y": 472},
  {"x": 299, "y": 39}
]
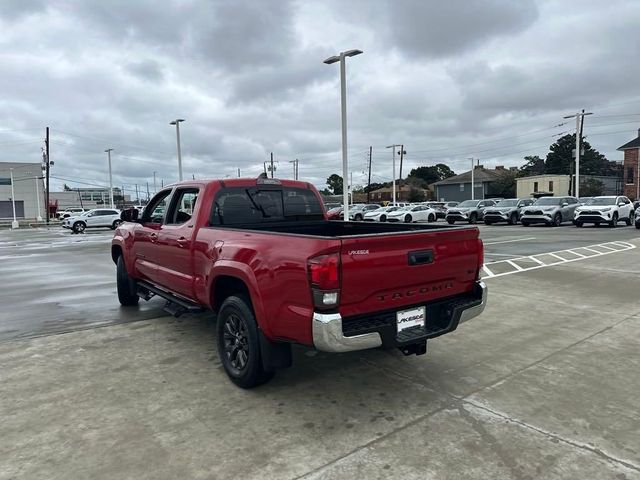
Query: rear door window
[{"x": 237, "y": 206}]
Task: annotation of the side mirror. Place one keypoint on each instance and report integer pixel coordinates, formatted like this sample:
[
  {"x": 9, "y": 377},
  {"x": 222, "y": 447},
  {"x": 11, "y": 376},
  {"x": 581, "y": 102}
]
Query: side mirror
[
  {"x": 129, "y": 215},
  {"x": 621, "y": 204}
]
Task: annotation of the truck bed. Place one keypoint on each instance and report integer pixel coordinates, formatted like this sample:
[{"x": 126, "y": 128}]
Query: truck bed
[{"x": 340, "y": 229}]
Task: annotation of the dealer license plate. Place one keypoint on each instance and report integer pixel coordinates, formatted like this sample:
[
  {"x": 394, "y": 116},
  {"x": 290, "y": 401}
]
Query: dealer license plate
[{"x": 410, "y": 318}]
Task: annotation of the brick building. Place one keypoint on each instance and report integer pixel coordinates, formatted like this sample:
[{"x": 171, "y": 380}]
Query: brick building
[{"x": 631, "y": 168}]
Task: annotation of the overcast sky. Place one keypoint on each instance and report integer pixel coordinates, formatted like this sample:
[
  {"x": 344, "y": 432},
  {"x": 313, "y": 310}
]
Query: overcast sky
[{"x": 450, "y": 79}]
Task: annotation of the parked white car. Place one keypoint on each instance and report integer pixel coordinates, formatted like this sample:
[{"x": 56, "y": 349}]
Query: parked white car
[
  {"x": 413, "y": 213},
  {"x": 70, "y": 212},
  {"x": 605, "y": 209},
  {"x": 379, "y": 215},
  {"x": 100, "y": 217}
]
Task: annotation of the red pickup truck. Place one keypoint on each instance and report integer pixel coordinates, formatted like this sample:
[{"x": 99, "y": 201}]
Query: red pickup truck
[{"x": 262, "y": 255}]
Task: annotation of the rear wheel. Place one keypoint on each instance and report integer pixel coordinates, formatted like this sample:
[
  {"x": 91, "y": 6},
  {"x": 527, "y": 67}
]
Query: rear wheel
[
  {"x": 473, "y": 218},
  {"x": 513, "y": 219},
  {"x": 115, "y": 224},
  {"x": 614, "y": 221},
  {"x": 239, "y": 345},
  {"x": 408, "y": 219},
  {"x": 127, "y": 287}
]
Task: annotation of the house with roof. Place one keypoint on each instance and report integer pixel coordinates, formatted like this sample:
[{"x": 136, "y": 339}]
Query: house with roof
[
  {"x": 631, "y": 167},
  {"x": 458, "y": 187}
]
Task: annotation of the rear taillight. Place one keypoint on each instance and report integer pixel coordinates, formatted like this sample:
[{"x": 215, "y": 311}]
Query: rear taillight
[
  {"x": 324, "y": 275},
  {"x": 480, "y": 258}
]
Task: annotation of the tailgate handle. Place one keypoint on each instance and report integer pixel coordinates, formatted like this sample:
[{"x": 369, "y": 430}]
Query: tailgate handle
[{"x": 421, "y": 258}]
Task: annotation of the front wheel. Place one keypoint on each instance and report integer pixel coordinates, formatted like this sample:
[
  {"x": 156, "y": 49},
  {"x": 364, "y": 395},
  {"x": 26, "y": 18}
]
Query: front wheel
[
  {"x": 487, "y": 222},
  {"x": 127, "y": 288},
  {"x": 79, "y": 227},
  {"x": 525, "y": 224},
  {"x": 383, "y": 218},
  {"x": 358, "y": 217},
  {"x": 614, "y": 221},
  {"x": 629, "y": 219},
  {"x": 450, "y": 221},
  {"x": 557, "y": 220},
  {"x": 513, "y": 219},
  {"x": 408, "y": 219},
  {"x": 432, "y": 218},
  {"x": 239, "y": 345},
  {"x": 579, "y": 224},
  {"x": 116, "y": 224},
  {"x": 473, "y": 218}
]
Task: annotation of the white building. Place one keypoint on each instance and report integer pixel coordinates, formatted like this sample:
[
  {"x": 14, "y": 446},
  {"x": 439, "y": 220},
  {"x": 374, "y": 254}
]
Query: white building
[
  {"x": 554, "y": 184},
  {"x": 28, "y": 189}
]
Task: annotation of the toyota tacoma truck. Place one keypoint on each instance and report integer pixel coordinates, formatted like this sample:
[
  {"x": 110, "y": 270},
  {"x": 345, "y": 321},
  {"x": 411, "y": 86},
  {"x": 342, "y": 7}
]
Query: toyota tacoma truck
[{"x": 263, "y": 256}]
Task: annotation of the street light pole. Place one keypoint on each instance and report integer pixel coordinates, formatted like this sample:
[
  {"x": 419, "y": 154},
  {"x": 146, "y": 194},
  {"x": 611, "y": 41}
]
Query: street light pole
[
  {"x": 39, "y": 217},
  {"x": 343, "y": 109},
  {"x": 15, "y": 223},
  {"x": 579, "y": 118},
  {"x": 393, "y": 188},
  {"x": 473, "y": 193},
  {"x": 176, "y": 122},
  {"x": 109, "y": 150}
]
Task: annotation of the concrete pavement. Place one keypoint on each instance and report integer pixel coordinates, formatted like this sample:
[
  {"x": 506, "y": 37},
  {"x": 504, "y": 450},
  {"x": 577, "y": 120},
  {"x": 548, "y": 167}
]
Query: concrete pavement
[{"x": 543, "y": 385}]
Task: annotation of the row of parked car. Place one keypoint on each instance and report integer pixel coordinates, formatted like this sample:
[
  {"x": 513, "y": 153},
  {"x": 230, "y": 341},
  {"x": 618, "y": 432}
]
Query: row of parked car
[{"x": 551, "y": 211}]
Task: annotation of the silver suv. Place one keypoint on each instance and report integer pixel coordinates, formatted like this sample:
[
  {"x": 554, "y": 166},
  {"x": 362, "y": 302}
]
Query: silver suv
[
  {"x": 552, "y": 211},
  {"x": 507, "y": 210},
  {"x": 468, "y": 211}
]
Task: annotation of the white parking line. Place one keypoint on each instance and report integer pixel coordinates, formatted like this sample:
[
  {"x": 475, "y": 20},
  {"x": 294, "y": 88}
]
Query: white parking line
[
  {"x": 610, "y": 246},
  {"x": 510, "y": 241}
]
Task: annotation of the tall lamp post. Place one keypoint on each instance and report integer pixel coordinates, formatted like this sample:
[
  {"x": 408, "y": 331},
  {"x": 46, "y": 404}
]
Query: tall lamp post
[
  {"x": 393, "y": 187},
  {"x": 15, "y": 223},
  {"x": 343, "y": 100},
  {"x": 579, "y": 119},
  {"x": 108, "y": 151},
  {"x": 176, "y": 122}
]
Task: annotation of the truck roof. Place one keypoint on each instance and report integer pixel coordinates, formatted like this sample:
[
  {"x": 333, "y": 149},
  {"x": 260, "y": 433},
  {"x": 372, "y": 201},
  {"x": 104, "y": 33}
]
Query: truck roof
[{"x": 245, "y": 182}]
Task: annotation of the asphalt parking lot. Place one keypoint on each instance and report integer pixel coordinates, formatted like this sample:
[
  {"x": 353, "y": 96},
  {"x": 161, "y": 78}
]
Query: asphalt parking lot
[{"x": 543, "y": 385}]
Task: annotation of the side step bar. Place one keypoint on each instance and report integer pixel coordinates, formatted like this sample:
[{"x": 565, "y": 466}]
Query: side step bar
[{"x": 175, "y": 306}]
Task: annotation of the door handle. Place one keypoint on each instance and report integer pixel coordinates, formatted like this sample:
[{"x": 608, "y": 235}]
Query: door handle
[
  {"x": 182, "y": 242},
  {"x": 153, "y": 237}
]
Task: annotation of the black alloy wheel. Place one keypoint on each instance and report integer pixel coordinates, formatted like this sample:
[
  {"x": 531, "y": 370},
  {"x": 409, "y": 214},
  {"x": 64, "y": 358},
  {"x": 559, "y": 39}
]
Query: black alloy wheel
[
  {"x": 557, "y": 220},
  {"x": 236, "y": 348},
  {"x": 614, "y": 221}
]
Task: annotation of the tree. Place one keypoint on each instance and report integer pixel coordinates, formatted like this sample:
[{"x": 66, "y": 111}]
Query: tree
[
  {"x": 374, "y": 186},
  {"x": 415, "y": 195},
  {"x": 431, "y": 174},
  {"x": 591, "y": 187},
  {"x": 559, "y": 159},
  {"x": 335, "y": 184},
  {"x": 534, "y": 166},
  {"x": 66, "y": 188},
  {"x": 505, "y": 184}
]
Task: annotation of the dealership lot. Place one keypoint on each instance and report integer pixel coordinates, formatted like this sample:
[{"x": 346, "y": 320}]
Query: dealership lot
[{"x": 543, "y": 385}]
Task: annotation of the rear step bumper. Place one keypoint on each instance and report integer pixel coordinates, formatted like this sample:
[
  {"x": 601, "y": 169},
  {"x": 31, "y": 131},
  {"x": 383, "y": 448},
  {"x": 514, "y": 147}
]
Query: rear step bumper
[{"x": 329, "y": 332}]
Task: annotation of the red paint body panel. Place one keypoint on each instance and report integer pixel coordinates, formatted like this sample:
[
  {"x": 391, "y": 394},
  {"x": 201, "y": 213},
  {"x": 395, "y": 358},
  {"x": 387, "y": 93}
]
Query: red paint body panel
[{"x": 375, "y": 274}]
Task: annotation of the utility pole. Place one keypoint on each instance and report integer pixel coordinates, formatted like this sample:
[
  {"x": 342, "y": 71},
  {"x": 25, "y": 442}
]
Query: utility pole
[
  {"x": 472, "y": 182},
  {"x": 39, "y": 217},
  {"x": 176, "y": 122},
  {"x": 154, "y": 184},
  {"x": 80, "y": 198},
  {"x": 579, "y": 123},
  {"x": 46, "y": 143},
  {"x": 109, "y": 150},
  {"x": 238, "y": 172},
  {"x": 148, "y": 196},
  {"x": 137, "y": 196},
  {"x": 272, "y": 168},
  {"x": 295, "y": 168},
  {"x": 393, "y": 147},
  {"x": 402, "y": 152},
  {"x": 369, "y": 180},
  {"x": 15, "y": 223}
]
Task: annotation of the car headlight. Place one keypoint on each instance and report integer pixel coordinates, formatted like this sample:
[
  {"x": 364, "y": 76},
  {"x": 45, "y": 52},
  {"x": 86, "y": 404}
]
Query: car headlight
[{"x": 605, "y": 209}]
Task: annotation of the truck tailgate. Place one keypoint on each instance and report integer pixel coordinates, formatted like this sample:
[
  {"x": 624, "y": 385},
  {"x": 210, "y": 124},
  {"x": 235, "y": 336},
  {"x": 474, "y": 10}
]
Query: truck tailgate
[{"x": 389, "y": 271}]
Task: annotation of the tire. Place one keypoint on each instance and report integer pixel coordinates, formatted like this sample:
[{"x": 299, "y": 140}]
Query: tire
[
  {"x": 127, "y": 288},
  {"x": 473, "y": 218},
  {"x": 487, "y": 222},
  {"x": 579, "y": 224},
  {"x": 450, "y": 221},
  {"x": 525, "y": 224},
  {"x": 408, "y": 219},
  {"x": 557, "y": 220},
  {"x": 513, "y": 219},
  {"x": 629, "y": 220},
  {"x": 116, "y": 224},
  {"x": 383, "y": 218},
  {"x": 239, "y": 344},
  {"x": 79, "y": 227},
  {"x": 358, "y": 217},
  {"x": 614, "y": 221},
  {"x": 432, "y": 218}
]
